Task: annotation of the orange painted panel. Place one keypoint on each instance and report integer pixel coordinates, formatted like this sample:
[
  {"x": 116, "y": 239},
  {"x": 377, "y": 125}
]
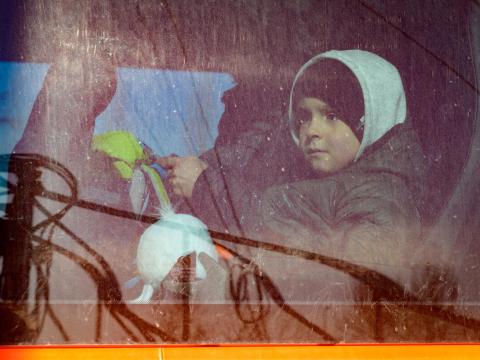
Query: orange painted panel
[
  {"x": 339, "y": 352},
  {"x": 394, "y": 352},
  {"x": 97, "y": 353}
]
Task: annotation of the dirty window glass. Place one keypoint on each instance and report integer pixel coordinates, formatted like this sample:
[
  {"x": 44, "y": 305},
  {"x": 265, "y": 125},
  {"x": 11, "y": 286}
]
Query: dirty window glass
[{"x": 239, "y": 172}]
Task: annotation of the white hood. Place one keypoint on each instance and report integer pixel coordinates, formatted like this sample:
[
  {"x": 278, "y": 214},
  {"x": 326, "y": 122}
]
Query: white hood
[{"x": 383, "y": 93}]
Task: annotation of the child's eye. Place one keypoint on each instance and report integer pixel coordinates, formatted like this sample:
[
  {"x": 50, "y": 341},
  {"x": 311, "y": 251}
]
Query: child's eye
[
  {"x": 302, "y": 117},
  {"x": 332, "y": 116},
  {"x": 300, "y": 121}
]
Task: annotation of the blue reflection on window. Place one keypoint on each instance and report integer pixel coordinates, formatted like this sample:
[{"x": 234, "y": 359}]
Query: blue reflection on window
[
  {"x": 173, "y": 112},
  {"x": 170, "y": 111},
  {"x": 20, "y": 84}
]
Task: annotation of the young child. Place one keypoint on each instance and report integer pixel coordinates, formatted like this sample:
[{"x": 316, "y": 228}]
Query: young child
[
  {"x": 347, "y": 114},
  {"x": 348, "y": 117}
]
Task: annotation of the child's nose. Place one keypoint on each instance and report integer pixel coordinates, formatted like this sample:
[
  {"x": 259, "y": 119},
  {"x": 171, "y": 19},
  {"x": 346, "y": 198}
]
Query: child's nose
[{"x": 318, "y": 126}]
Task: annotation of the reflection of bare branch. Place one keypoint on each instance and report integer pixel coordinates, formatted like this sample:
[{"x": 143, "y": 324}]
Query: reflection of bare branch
[
  {"x": 110, "y": 296},
  {"x": 105, "y": 265},
  {"x": 177, "y": 32},
  {"x": 105, "y": 289},
  {"x": 43, "y": 288},
  {"x": 125, "y": 327},
  {"x": 56, "y": 321},
  {"x": 384, "y": 287},
  {"x": 425, "y": 48},
  {"x": 271, "y": 289},
  {"x": 108, "y": 286}
]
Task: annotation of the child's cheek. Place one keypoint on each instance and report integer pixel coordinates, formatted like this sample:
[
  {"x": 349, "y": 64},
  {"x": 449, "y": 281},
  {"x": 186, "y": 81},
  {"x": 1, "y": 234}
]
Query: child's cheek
[{"x": 345, "y": 145}]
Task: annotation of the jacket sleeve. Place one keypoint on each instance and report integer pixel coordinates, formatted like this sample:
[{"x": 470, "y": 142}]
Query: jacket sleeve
[
  {"x": 227, "y": 191},
  {"x": 374, "y": 224}
]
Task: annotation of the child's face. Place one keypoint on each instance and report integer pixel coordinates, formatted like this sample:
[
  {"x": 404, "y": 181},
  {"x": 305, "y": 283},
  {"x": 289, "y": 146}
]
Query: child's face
[{"x": 327, "y": 143}]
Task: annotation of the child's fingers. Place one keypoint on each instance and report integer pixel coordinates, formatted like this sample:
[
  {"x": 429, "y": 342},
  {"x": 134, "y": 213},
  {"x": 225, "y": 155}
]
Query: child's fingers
[{"x": 168, "y": 162}]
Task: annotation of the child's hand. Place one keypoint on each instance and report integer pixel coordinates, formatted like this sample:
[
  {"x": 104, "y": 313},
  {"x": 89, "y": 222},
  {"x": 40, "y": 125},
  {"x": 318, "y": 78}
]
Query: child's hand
[{"x": 182, "y": 172}]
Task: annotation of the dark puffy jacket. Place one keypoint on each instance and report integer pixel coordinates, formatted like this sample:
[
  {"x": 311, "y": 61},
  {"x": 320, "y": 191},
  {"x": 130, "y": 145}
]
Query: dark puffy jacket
[
  {"x": 338, "y": 246},
  {"x": 366, "y": 214},
  {"x": 361, "y": 228},
  {"x": 228, "y": 193}
]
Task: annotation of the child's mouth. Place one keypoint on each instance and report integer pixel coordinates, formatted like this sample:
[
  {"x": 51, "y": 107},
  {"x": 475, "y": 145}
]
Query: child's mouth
[{"x": 315, "y": 152}]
